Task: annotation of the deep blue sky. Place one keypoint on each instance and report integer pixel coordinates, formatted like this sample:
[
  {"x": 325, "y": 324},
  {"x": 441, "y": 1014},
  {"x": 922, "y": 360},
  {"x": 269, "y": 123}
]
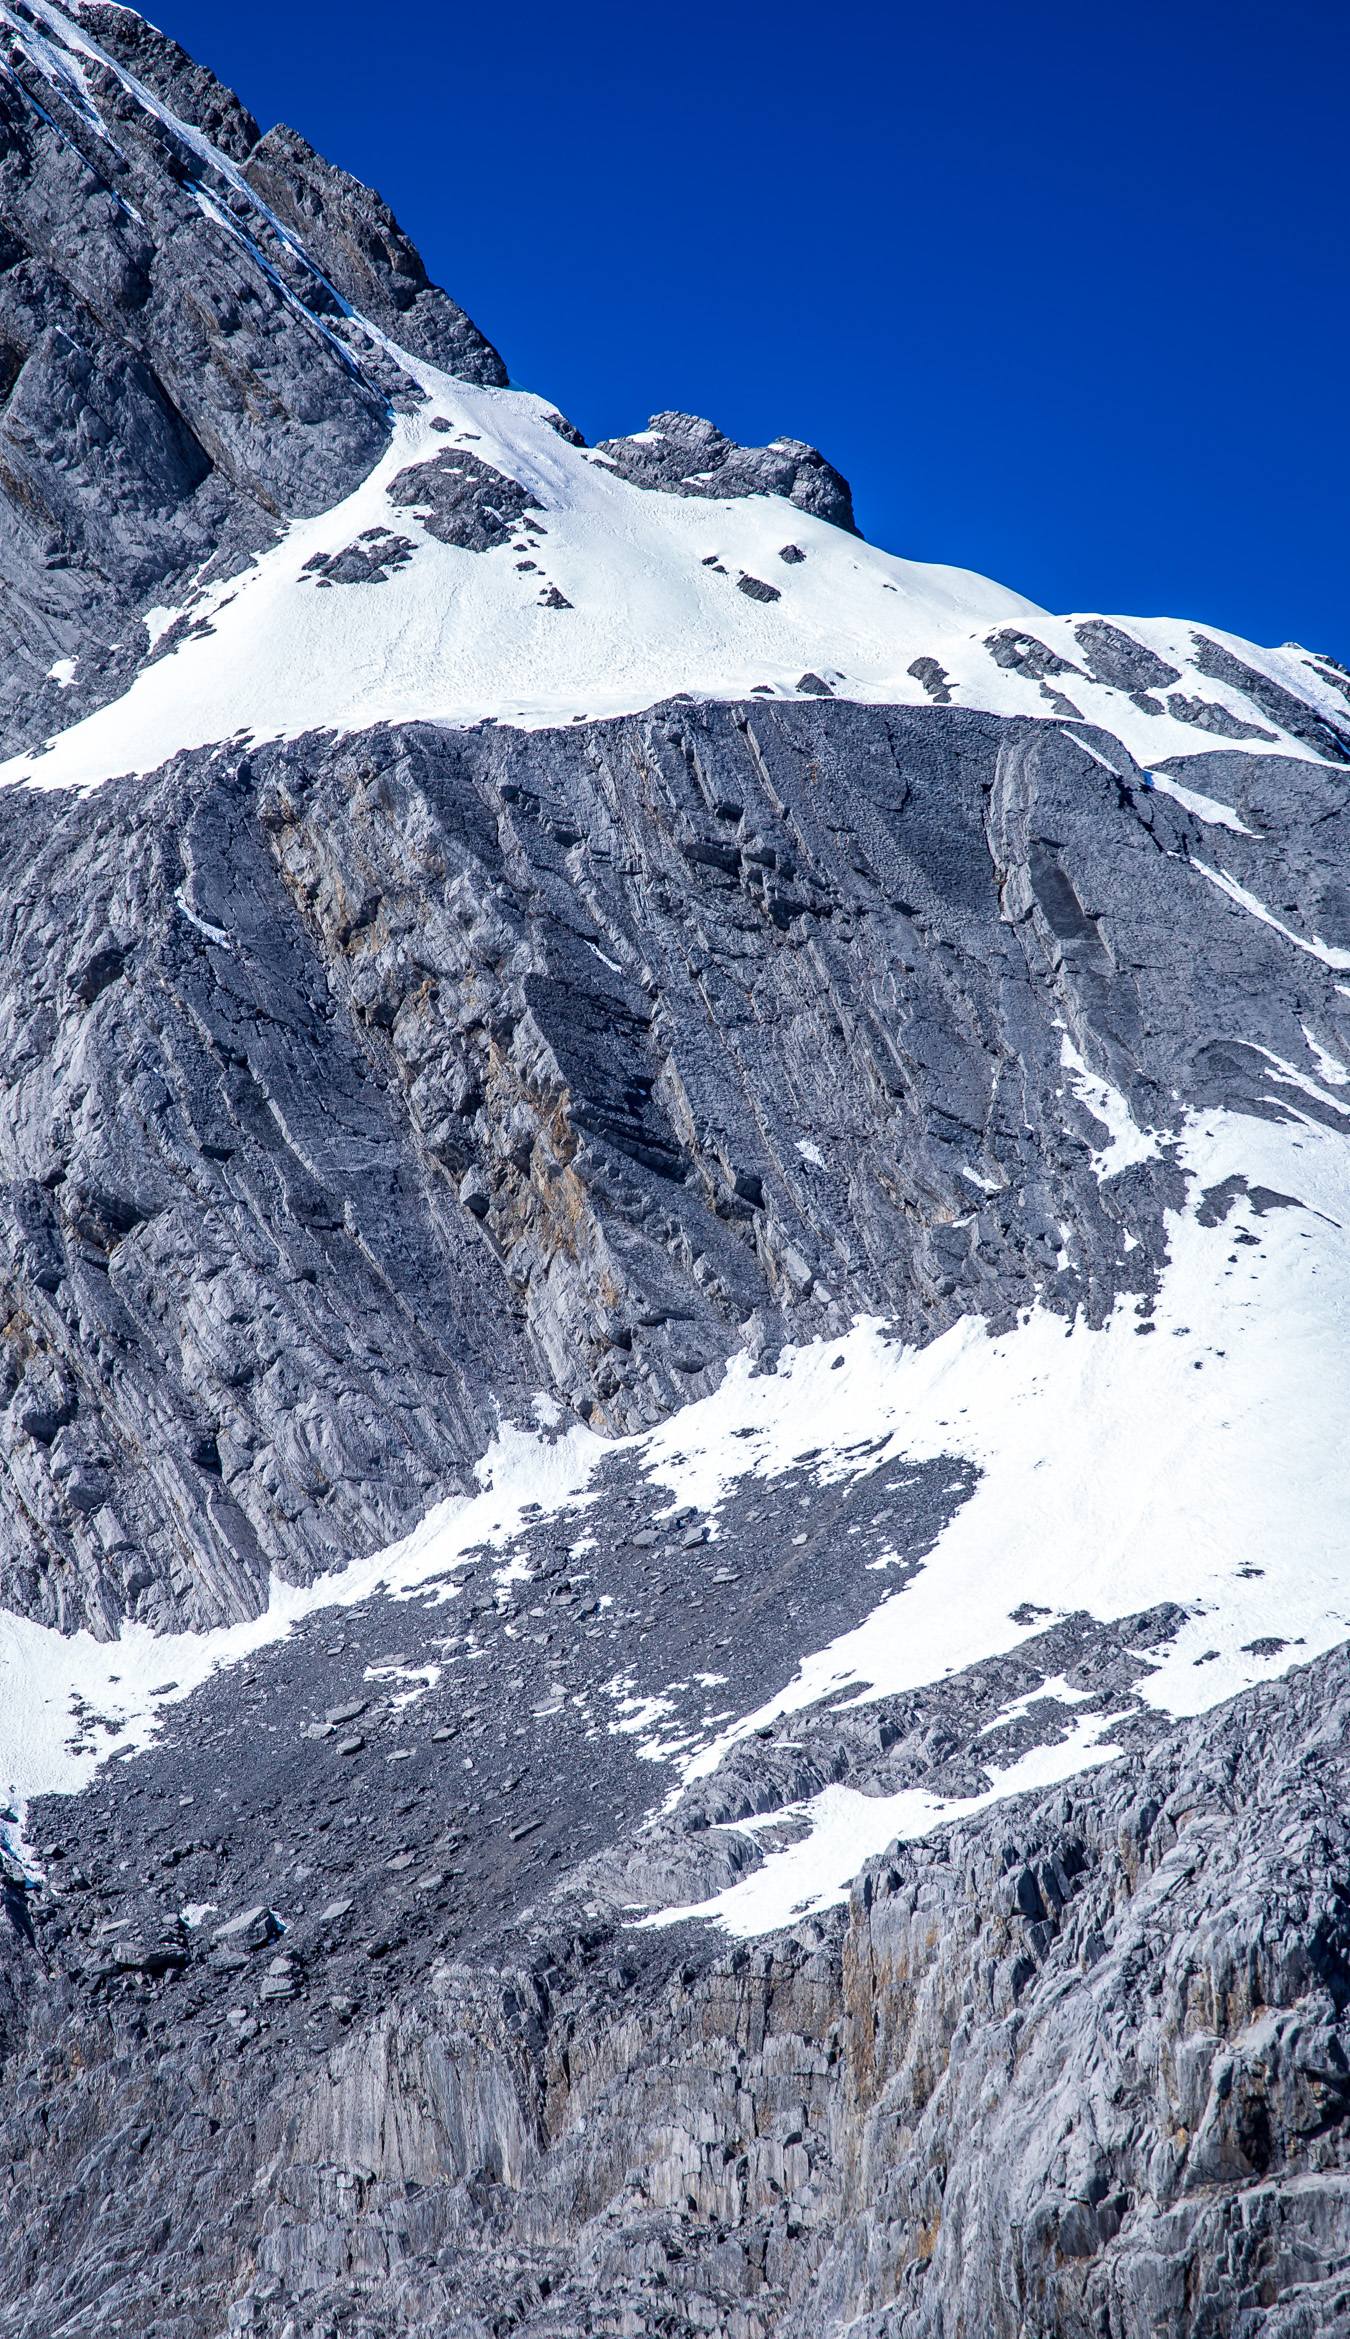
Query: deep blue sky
[{"x": 1061, "y": 288}]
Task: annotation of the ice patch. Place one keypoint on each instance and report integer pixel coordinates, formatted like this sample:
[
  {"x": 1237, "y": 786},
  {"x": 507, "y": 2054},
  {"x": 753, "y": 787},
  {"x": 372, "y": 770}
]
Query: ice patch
[
  {"x": 1094, "y": 752},
  {"x": 1289, "y": 1076},
  {"x": 157, "y": 623},
  {"x": 1331, "y": 1067},
  {"x": 1329, "y": 955},
  {"x": 1201, "y": 807},
  {"x": 212, "y": 933},
  {"x": 1128, "y": 1143}
]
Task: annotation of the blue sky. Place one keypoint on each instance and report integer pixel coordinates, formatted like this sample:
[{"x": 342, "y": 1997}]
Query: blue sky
[{"x": 1060, "y": 289}]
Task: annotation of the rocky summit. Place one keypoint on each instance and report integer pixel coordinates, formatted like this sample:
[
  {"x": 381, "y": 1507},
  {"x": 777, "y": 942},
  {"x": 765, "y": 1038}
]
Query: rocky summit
[{"x": 674, "y": 1258}]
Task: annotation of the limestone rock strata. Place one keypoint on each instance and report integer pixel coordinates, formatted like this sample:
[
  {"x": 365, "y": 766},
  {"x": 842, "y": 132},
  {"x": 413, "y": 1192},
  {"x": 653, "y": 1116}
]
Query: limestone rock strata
[
  {"x": 1076, "y": 2067},
  {"x": 354, "y": 1088}
]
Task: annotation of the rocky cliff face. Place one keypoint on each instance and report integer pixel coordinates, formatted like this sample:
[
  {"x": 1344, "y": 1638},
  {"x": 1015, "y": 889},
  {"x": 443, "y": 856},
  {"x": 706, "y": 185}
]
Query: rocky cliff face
[
  {"x": 673, "y": 1265},
  {"x": 178, "y": 367},
  {"x": 357, "y": 1088},
  {"x": 1079, "y": 2067}
]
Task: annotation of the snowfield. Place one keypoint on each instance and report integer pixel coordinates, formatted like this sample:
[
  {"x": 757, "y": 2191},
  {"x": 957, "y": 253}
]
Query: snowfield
[
  {"x": 663, "y": 594},
  {"x": 656, "y": 607}
]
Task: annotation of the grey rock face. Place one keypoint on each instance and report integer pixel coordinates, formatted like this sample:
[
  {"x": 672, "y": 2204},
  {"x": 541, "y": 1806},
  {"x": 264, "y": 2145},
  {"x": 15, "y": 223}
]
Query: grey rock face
[
  {"x": 314, "y": 1051},
  {"x": 1024, "y": 654},
  {"x": 147, "y": 1446},
  {"x": 1078, "y": 2065},
  {"x": 353, "y": 1087},
  {"x": 685, "y": 455},
  {"x": 92, "y": 440},
  {"x": 185, "y": 87},
  {"x": 376, "y": 556},
  {"x": 462, "y": 500},
  {"x": 934, "y": 677},
  {"x": 365, "y": 254},
  {"x": 1208, "y": 715},
  {"x": 1114, "y": 656}
]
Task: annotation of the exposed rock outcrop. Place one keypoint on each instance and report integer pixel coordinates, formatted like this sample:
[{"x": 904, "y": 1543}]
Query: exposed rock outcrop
[
  {"x": 1079, "y": 2066},
  {"x": 353, "y": 1088},
  {"x": 366, "y": 256},
  {"x": 687, "y": 456}
]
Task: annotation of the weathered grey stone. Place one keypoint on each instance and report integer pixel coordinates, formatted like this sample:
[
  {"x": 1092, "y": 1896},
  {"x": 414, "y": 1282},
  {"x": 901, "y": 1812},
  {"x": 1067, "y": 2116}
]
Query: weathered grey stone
[
  {"x": 188, "y": 89},
  {"x": 372, "y": 560},
  {"x": 1115, "y": 657},
  {"x": 1274, "y": 701},
  {"x": 1208, "y": 715},
  {"x": 1022, "y": 653},
  {"x": 685, "y": 455},
  {"x": 366, "y": 256},
  {"x": 421, "y": 1031},
  {"x": 462, "y": 500}
]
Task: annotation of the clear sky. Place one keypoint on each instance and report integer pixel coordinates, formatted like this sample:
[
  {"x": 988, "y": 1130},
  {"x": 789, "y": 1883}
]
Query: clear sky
[{"x": 1060, "y": 287}]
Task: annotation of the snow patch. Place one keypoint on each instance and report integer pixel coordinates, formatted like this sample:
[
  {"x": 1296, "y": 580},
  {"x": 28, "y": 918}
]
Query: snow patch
[
  {"x": 1329, "y": 955},
  {"x": 157, "y": 623},
  {"x": 847, "y": 1829},
  {"x": 1128, "y": 1143},
  {"x": 1200, "y": 807},
  {"x": 1331, "y": 1067},
  {"x": 71, "y": 1701}
]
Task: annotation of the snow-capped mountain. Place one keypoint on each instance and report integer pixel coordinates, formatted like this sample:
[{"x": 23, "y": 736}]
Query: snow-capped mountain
[
  {"x": 486, "y": 523},
  {"x": 674, "y": 1257}
]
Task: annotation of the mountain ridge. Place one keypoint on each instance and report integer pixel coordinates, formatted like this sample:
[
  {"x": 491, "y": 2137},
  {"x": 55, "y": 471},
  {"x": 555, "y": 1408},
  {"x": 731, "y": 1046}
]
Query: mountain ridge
[{"x": 809, "y": 617}]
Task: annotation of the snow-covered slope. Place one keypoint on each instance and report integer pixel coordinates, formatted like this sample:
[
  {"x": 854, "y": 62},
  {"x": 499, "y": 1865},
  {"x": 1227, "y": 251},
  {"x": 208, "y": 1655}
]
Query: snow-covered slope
[
  {"x": 595, "y": 596},
  {"x": 605, "y": 598}
]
